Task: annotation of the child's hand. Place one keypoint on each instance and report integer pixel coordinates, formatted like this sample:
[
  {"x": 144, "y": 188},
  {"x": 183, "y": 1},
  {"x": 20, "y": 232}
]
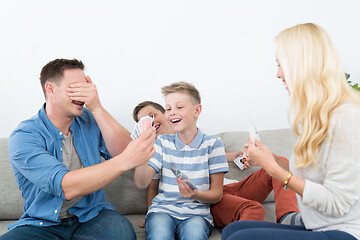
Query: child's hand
[
  {"x": 233, "y": 155},
  {"x": 185, "y": 190},
  {"x": 142, "y": 223}
]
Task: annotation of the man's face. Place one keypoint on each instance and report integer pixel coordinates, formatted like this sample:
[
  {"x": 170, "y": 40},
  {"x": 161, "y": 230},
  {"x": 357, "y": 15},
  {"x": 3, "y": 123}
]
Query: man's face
[{"x": 59, "y": 97}]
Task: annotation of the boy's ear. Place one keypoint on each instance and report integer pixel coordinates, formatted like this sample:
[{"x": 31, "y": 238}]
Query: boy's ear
[{"x": 198, "y": 109}]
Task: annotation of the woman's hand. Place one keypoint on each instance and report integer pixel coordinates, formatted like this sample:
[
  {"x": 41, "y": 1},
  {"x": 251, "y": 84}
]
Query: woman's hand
[{"x": 262, "y": 156}]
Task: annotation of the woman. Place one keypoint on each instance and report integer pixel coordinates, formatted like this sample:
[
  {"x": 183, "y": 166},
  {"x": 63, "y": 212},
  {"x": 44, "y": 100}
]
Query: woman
[{"x": 325, "y": 115}]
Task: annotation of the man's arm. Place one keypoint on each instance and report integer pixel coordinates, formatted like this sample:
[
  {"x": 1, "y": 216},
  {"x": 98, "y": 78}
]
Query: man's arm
[
  {"x": 115, "y": 135},
  {"x": 87, "y": 180}
]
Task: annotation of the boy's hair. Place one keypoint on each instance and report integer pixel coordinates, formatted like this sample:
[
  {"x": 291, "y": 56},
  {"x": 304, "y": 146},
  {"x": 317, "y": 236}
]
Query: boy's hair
[
  {"x": 54, "y": 71},
  {"x": 145, "y": 104},
  {"x": 182, "y": 87}
]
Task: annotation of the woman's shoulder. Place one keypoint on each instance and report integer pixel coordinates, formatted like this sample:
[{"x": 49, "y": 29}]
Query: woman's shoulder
[
  {"x": 346, "y": 116},
  {"x": 347, "y": 110}
]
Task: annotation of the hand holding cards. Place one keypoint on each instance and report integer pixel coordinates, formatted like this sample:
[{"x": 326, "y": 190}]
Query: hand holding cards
[
  {"x": 142, "y": 125},
  {"x": 182, "y": 176},
  {"x": 240, "y": 160},
  {"x": 254, "y": 135}
]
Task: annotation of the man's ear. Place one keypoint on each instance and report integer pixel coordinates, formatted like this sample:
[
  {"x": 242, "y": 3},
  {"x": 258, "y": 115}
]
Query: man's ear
[
  {"x": 198, "y": 109},
  {"x": 49, "y": 88}
]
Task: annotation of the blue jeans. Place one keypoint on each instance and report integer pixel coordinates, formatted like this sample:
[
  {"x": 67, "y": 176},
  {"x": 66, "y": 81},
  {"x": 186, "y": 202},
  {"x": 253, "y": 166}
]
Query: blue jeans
[
  {"x": 256, "y": 230},
  {"x": 163, "y": 226},
  {"x": 109, "y": 224}
]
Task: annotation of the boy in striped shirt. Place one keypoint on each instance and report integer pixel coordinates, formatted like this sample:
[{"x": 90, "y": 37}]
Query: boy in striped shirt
[{"x": 179, "y": 211}]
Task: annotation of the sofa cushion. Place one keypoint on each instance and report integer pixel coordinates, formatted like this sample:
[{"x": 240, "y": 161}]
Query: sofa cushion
[
  {"x": 280, "y": 141},
  {"x": 125, "y": 196},
  {"x": 11, "y": 201}
]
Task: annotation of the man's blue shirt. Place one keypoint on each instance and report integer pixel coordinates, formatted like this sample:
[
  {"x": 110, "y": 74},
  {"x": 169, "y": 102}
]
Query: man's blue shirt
[{"x": 35, "y": 151}]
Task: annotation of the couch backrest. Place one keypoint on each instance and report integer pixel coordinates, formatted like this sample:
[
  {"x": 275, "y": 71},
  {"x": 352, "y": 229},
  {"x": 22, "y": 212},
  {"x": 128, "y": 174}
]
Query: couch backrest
[
  {"x": 279, "y": 141},
  {"x": 125, "y": 196},
  {"x": 122, "y": 192},
  {"x": 11, "y": 201}
]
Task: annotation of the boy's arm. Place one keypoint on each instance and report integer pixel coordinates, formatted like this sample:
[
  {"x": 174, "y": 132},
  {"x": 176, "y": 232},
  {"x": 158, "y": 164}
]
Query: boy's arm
[
  {"x": 152, "y": 191},
  {"x": 231, "y": 156},
  {"x": 143, "y": 176},
  {"x": 213, "y": 195}
]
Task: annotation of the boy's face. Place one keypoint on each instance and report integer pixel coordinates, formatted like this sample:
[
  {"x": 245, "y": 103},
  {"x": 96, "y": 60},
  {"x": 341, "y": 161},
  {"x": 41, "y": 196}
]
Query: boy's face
[
  {"x": 181, "y": 112},
  {"x": 161, "y": 125}
]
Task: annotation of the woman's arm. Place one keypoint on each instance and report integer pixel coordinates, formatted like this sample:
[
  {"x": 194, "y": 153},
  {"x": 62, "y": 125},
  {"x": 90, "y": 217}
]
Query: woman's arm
[{"x": 262, "y": 156}]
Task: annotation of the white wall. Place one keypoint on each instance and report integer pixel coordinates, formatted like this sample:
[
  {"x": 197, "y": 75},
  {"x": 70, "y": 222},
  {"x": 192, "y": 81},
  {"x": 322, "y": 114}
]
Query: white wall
[{"x": 133, "y": 48}]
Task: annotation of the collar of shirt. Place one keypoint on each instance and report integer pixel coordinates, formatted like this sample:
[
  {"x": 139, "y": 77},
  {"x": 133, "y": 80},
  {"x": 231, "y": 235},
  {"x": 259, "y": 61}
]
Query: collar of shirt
[{"x": 196, "y": 142}]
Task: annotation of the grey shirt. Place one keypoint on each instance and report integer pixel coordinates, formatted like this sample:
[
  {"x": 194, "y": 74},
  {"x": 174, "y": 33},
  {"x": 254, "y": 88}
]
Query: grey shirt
[{"x": 72, "y": 161}]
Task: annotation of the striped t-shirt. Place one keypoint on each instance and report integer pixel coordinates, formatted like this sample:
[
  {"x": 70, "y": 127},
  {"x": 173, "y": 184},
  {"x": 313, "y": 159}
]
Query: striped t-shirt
[{"x": 205, "y": 155}]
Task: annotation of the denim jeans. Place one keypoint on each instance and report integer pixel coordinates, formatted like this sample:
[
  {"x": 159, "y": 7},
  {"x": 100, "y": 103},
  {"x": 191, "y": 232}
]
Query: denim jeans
[
  {"x": 257, "y": 230},
  {"x": 163, "y": 226},
  {"x": 109, "y": 224}
]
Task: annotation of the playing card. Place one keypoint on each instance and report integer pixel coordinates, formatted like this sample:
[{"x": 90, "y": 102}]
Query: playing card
[
  {"x": 135, "y": 133},
  {"x": 142, "y": 125},
  {"x": 240, "y": 160},
  {"x": 253, "y": 132},
  {"x": 182, "y": 176},
  {"x": 145, "y": 123}
]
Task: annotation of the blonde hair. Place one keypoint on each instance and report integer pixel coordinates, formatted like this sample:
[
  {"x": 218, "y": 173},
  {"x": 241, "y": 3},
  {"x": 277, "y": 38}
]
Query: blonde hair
[
  {"x": 317, "y": 86},
  {"x": 182, "y": 87}
]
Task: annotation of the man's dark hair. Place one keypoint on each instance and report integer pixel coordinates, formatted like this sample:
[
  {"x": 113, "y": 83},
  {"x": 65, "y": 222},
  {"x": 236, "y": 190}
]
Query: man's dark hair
[
  {"x": 145, "y": 104},
  {"x": 54, "y": 71}
]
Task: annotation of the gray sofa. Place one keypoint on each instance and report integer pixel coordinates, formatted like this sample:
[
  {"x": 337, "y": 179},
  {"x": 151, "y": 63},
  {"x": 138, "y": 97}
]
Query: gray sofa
[{"x": 122, "y": 192}]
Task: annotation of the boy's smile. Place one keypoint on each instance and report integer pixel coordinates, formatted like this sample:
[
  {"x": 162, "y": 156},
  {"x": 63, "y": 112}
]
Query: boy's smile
[
  {"x": 182, "y": 114},
  {"x": 175, "y": 120}
]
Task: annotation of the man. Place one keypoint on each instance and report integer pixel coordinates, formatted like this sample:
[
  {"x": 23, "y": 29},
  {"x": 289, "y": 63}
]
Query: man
[{"x": 56, "y": 157}]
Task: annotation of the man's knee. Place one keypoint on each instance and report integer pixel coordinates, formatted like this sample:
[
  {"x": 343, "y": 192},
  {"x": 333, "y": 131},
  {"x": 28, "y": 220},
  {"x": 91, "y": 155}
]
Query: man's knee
[
  {"x": 118, "y": 226},
  {"x": 109, "y": 224}
]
